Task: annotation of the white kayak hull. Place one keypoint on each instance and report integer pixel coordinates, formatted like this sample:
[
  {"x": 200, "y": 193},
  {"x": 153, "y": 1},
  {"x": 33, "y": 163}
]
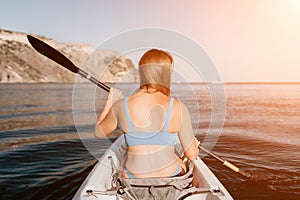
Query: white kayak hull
[{"x": 99, "y": 178}]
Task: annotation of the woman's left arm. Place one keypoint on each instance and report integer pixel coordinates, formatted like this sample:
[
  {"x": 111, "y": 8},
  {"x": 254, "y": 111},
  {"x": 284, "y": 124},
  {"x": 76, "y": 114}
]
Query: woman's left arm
[{"x": 107, "y": 121}]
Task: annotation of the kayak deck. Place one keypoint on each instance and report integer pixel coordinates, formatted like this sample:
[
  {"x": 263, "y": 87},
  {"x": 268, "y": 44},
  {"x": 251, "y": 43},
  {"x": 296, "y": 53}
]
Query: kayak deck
[{"x": 99, "y": 179}]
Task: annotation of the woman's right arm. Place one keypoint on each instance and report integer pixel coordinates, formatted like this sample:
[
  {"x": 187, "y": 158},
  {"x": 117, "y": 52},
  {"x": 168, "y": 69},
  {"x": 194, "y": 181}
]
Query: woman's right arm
[{"x": 186, "y": 135}]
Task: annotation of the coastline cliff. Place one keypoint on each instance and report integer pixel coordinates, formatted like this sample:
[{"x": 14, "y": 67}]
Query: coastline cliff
[{"x": 20, "y": 63}]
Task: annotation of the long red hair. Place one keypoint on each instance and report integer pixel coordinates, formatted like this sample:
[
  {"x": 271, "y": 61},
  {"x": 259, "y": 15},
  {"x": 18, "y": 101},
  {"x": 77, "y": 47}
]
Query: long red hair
[{"x": 155, "y": 68}]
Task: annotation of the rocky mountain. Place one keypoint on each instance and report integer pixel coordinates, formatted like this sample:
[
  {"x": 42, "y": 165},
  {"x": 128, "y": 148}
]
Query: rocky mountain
[{"x": 19, "y": 62}]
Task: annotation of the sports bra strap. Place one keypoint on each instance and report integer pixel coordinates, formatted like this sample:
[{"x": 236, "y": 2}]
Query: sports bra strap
[
  {"x": 128, "y": 115},
  {"x": 166, "y": 126}
]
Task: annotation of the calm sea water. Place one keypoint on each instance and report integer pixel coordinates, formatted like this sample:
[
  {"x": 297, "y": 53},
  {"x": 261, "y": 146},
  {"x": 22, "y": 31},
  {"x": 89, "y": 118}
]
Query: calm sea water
[{"x": 42, "y": 156}]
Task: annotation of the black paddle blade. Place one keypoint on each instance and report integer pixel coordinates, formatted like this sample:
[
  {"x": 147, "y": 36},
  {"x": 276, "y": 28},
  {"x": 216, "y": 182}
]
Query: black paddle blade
[{"x": 52, "y": 53}]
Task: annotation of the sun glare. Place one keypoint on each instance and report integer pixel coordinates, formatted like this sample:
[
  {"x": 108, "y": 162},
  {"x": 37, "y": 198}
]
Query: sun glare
[
  {"x": 297, "y": 3},
  {"x": 290, "y": 10},
  {"x": 294, "y": 5}
]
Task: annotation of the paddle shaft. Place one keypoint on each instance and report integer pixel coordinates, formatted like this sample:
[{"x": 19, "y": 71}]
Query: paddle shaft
[
  {"x": 226, "y": 163},
  {"x": 53, "y": 54},
  {"x": 93, "y": 80}
]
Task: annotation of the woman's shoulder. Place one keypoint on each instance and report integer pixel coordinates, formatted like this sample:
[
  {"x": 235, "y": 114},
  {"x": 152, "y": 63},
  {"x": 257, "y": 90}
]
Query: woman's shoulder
[
  {"x": 118, "y": 105},
  {"x": 180, "y": 110},
  {"x": 179, "y": 105}
]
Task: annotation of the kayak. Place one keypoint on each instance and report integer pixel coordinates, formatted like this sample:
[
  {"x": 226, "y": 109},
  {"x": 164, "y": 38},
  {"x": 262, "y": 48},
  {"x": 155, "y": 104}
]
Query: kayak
[{"x": 101, "y": 181}]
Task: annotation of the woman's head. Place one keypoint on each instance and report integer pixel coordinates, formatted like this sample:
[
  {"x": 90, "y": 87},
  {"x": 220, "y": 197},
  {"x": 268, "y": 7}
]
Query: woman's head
[{"x": 155, "y": 68}]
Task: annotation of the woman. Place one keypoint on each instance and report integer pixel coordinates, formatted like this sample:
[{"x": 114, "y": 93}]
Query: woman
[{"x": 150, "y": 120}]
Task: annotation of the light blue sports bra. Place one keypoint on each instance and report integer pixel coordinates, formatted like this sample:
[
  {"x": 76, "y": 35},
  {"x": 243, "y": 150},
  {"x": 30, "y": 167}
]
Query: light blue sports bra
[{"x": 164, "y": 138}]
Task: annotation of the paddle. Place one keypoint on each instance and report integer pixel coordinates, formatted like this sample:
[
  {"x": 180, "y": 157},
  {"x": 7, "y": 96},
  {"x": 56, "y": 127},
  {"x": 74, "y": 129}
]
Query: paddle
[
  {"x": 59, "y": 58},
  {"x": 226, "y": 163}
]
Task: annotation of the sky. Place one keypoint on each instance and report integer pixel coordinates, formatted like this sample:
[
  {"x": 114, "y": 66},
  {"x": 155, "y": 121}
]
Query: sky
[{"x": 248, "y": 40}]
